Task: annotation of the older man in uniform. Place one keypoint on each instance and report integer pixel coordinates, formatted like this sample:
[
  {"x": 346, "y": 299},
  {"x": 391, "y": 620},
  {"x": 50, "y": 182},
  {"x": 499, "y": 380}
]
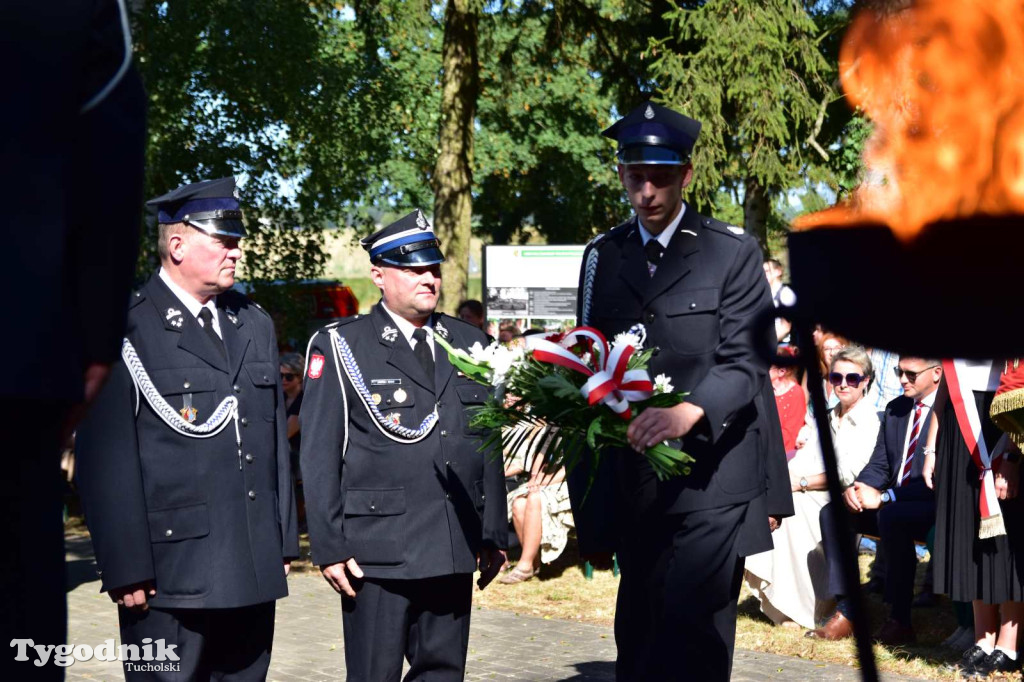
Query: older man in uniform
[
  {"x": 183, "y": 462},
  {"x": 401, "y": 503},
  {"x": 697, "y": 286}
]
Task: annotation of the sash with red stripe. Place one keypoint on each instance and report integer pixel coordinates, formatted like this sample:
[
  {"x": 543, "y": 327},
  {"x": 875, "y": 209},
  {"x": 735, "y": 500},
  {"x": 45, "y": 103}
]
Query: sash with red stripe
[{"x": 970, "y": 426}]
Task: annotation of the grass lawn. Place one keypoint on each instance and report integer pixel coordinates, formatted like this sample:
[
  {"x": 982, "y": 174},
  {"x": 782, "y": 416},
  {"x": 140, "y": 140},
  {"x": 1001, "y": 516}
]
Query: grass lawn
[{"x": 561, "y": 591}]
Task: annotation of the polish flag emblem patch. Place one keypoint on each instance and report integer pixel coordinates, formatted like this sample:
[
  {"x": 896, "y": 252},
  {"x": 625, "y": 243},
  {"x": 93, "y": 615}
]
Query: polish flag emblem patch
[{"x": 316, "y": 366}]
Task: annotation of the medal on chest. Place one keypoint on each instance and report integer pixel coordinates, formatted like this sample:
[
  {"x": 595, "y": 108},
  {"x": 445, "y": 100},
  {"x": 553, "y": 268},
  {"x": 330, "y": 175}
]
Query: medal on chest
[{"x": 188, "y": 412}]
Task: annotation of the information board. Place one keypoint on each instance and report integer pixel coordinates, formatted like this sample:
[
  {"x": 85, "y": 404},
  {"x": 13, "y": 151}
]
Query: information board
[{"x": 531, "y": 282}]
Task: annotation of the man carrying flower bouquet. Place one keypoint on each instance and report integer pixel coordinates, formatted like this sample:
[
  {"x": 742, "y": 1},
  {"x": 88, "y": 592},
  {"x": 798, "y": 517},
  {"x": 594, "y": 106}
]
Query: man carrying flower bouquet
[
  {"x": 401, "y": 503},
  {"x": 698, "y": 288}
]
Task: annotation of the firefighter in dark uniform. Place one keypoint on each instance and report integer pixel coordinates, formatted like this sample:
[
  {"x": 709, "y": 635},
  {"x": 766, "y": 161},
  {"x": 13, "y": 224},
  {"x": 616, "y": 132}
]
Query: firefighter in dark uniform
[
  {"x": 401, "y": 503},
  {"x": 183, "y": 461},
  {"x": 697, "y": 286}
]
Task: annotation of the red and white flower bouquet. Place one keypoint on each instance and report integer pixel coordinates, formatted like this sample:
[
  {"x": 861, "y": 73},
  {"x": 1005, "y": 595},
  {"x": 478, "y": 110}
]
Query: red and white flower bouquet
[{"x": 578, "y": 382}]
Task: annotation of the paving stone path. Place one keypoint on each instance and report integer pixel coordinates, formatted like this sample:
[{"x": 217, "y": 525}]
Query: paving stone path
[{"x": 308, "y": 642}]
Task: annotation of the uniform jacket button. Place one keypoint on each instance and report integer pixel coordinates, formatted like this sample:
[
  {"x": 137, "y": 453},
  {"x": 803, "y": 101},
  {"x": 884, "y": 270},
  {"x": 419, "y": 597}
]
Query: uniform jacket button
[
  {"x": 650, "y": 318},
  {"x": 655, "y": 350},
  {"x": 237, "y": 388},
  {"x": 448, "y": 464},
  {"x": 373, "y": 507},
  {"x": 692, "y": 305},
  {"x": 248, "y": 457},
  {"x": 444, "y": 434},
  {"x": 447, "y": 496},
  {"x": 245, "y": 421},
  {"x": 187, "y": 384},
  {"x": 252, "y": 494},
  {"x": 168, "y": 532},
  {"x": 266, "y": 378}
]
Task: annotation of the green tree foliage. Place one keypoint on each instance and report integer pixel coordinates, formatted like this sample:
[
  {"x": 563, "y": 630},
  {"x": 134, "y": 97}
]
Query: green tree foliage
[
  {"x": 758, "y": 75},
  {"x": 278, "y": 91}
]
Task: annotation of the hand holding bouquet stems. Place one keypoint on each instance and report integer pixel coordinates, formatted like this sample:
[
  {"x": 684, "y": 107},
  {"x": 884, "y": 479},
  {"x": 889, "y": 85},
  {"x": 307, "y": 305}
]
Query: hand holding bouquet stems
[{"x": 594, "y": 393}]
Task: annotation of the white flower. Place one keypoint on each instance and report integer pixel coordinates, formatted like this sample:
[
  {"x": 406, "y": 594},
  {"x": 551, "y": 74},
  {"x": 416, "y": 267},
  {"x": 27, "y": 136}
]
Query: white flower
[
  {"x": 662, "y": 384},
  {"x": 501, "y": 361},
  {"x": 626, "y": 339}
]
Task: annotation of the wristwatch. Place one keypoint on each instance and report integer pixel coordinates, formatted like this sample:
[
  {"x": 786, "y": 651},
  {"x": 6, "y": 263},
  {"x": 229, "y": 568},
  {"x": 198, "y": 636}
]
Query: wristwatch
[
  {"x": 803, "y": 484},
  {"x": 886, "y": 497}
]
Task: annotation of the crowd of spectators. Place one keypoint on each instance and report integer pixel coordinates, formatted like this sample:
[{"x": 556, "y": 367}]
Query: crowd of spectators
[{"x": 908, "y": 433}]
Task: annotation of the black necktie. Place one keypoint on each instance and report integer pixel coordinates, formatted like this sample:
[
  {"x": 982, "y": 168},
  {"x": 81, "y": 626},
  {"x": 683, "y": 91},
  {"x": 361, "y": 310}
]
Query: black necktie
[
  {"x": 654, "y": 251},
  {"x": 207, "y": 319},
  {"x": 422, "y": 352}
]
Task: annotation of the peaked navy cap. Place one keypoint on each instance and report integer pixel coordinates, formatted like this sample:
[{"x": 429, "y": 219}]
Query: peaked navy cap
[
  {"x": 208, "y": 205},
  {"x": 653, "y": 134},
  {"x": 408, "y": 241}
]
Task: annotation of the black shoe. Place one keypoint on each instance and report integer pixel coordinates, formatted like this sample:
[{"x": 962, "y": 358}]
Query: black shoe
[
  {"x": 971, "y": 659},
  {"x": 996, "y": 662}
]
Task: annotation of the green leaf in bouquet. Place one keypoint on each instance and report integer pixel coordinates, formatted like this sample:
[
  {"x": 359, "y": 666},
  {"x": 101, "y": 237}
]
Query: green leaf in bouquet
[
  {"x": 479, "y": 373},
  {"x": 660, "y": 400},
  {"x": 593, "y": 432},
  {"x": 560, "y": 387}
]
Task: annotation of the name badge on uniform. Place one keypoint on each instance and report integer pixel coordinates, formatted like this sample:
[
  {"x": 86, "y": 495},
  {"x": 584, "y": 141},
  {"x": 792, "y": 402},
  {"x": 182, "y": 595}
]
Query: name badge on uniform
[
  {"x": 385, "y": 382},
  {"x": 188, "y": 412}
]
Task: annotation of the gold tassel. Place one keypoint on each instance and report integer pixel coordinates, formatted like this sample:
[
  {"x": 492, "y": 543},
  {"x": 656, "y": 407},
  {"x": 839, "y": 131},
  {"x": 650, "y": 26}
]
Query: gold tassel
[
  {"x": 992, "y": 527},
  {"x": 1007, "y": 413}
]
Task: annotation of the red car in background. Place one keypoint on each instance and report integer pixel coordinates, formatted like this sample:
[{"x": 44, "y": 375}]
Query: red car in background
[{"x": 300, "y": 308}]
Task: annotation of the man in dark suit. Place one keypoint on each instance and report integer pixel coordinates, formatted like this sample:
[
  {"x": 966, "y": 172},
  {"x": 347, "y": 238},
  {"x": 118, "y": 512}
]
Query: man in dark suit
[
  {"x": 401, "y": 504},
  {"x": 72, "y": 110},
  {"x": 697, "y": 286},
  {"x": 183, "y": 461},
  {"x": 891, "y": 500}
]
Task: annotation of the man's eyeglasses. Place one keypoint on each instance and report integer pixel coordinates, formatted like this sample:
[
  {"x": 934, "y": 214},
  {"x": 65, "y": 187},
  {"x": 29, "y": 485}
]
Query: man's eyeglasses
[
  {"x": 911, "y": 376},
  {"x": 288, "y": 376},
  {"x": 852, "y": 379}
]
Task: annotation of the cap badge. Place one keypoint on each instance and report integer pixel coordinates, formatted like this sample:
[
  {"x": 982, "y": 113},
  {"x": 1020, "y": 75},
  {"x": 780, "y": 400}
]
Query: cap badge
[
  {"x": 400, "y": 395},
  {"x": 421, "y": 222},
  {"x": 316, "y": 366},
  {"x": 441, "y": 330},
  {"x": 389, "y": 334},
  {"x": 648, "y": 112}
]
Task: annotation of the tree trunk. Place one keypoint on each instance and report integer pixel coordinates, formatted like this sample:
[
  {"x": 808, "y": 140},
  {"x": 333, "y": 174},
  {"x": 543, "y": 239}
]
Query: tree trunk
[
  {"x": 755, "y": 212},
  {"x": 453, "y": 173}
]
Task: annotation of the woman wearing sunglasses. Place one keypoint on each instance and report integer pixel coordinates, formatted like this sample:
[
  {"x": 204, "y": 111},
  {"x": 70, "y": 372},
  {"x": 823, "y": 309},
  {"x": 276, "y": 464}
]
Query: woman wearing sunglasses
[{"x": 791, "y": 581}]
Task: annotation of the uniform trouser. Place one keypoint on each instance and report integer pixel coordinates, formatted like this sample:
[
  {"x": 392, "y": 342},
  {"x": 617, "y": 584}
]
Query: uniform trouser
[
  {"x": 426, "y": 621},
  {"x": 675, "y": 617},
  {"x": 32, "y": 583},
  {"x": 898, "y": 526},
  {"x": 212, "y": 644}
]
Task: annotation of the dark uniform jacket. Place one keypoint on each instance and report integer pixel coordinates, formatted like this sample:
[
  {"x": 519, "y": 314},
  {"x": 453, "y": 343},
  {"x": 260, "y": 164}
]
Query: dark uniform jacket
[
  {"x": 707, "y": 310},
  {"x": 74, "y": 150},
  {"x": 402, "y": 510},
  {"x": 210, "y": 528}
]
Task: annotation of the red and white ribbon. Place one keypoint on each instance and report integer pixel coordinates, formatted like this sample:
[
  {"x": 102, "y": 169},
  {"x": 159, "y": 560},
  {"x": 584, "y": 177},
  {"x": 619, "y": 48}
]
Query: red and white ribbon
[
  {"x": 612, "y": 384},
  {"x": 970, "y": 426}
]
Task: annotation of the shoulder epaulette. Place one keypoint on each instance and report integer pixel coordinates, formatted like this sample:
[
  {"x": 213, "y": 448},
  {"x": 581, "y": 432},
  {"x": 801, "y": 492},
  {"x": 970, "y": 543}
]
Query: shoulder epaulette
[
  {"x": 723, "y": 228},
  {"x": 340, "y": 323}
]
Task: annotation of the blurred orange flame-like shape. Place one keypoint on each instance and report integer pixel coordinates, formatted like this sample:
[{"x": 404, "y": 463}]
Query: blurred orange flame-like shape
[{"x": 943, "y": 82}]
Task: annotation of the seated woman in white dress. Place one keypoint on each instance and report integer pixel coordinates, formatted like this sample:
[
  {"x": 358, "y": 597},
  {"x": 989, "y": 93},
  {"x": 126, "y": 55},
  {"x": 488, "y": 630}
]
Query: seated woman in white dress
[
  {"x": 790, "y": 579},
  {"x": 539, "y": 508}
]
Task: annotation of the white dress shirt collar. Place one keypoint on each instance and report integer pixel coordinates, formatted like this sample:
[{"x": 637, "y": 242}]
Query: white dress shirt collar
[
  {"x": 666, "y": 235},
  {"x": 407, "y": 327},
  {"x": 190, "y": 302}
]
